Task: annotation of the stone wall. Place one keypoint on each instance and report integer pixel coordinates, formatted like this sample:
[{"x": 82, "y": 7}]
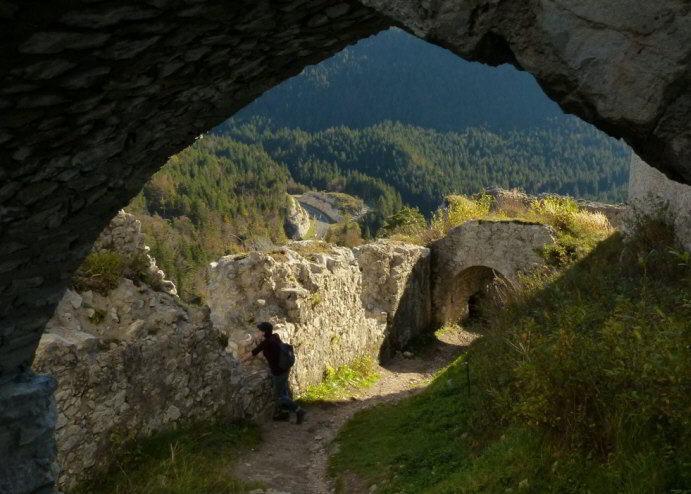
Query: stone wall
[
  {"x": 134, "y": 361},
  {"x": 320, "y": 299},
  {"x": 27, "y": 444},
  {"x": 651, "y": 193},
  {"x": 117, "y": 388},
  {"x": 396, "y": 280}
]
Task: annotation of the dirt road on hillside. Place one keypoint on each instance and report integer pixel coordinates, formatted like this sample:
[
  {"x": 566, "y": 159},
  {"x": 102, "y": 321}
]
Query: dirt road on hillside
[{"x": 292, "y": 458}]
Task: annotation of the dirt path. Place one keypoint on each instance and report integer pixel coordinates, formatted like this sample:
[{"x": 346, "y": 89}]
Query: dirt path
[{"x": 292, "y": 458}]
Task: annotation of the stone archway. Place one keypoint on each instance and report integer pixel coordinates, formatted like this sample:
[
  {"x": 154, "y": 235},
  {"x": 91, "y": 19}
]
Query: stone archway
[
  {"x": 95, "y": 96},
  {"x": 459, "y": 299},
  {"x": 477, "y": 254}
]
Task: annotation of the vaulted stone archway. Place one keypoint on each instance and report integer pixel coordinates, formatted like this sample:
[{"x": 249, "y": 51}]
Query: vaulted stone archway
[
  {"x": 468, "y": 287},
  {"x": 482, "y": 258},
  {"x": 96, "y": 95}
]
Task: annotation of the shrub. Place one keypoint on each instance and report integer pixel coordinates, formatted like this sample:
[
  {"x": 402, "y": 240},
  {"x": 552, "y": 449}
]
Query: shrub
[
  {"x": 346, "y": 233},
  {"x": 406, "y": 222},
  {"x": 101, "y": 271}
]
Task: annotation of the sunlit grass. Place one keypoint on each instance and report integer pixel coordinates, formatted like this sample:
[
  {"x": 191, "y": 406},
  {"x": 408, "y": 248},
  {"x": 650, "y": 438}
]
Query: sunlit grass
[
  {"x": 563, "y": 214},
  {"x": 193, "y": 460},
  {"x": 341, "y": 383},
  {"x": 579, "y": 386}
]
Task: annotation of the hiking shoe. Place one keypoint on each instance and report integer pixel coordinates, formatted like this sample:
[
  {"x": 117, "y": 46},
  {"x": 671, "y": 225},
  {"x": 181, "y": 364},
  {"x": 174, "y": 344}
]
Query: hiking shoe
[
  {"x": 281, "y": 416},
  {"x": 300, "y": 415}
]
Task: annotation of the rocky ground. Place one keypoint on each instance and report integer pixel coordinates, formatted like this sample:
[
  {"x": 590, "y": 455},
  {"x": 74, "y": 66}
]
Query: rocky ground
[{"x": 292, "y": 458}]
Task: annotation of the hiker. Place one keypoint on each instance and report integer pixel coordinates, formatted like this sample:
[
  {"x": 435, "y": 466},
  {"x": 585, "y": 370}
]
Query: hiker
[{"x": 270, "y": 346}]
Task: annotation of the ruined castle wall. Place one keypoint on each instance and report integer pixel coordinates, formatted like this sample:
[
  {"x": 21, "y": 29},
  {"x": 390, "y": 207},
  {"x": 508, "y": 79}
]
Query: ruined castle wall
[
  {"x": 134, "y": 361},
  {"x": 321, "y": 299}
]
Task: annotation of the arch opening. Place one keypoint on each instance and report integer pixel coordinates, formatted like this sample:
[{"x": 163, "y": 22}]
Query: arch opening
[{"x": 472, "y": 292}]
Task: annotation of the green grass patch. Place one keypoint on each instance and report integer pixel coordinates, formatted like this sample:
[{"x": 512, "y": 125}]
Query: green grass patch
[
  {"x": 340, "y": 383},
  {"x": 410, "y": 445},
  {"x": 192, "y": 460},
  {"x": 581, "y": 385},
  {"x": 447, "y": 330}
]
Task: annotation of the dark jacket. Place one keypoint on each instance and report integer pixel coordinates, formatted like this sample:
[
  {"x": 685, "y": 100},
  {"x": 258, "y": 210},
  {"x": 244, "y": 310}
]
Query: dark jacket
[{"x": 271, "y": 348}]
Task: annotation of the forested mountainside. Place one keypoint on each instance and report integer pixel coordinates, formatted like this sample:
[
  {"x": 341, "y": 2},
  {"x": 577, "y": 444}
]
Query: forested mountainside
[
  {"x": 423, "y": 165},
  {"x": 215, "y": 198},
  {"x": 396, "y": 76}
]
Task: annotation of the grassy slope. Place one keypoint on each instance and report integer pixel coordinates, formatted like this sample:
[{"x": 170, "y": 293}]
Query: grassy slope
[
  {"x": 193, "y": 460},
  {"x": 582, "y": 385}
]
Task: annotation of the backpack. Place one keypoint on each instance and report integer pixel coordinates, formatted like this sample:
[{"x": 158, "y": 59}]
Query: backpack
[{"x": 286, "y": 356}]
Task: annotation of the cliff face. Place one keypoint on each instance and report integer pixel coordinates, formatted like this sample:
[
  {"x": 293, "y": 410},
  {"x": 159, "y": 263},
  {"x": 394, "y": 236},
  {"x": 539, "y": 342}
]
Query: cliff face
[{"x": 328, "y": 301}]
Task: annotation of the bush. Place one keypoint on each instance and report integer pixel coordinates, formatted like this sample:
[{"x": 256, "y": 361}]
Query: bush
[
  {"x": 100, "y": 271},
  {"x": 406, "y": 222}
]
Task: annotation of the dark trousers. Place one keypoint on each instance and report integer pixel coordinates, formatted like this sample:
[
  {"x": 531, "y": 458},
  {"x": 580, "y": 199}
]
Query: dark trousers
[{"x": 282, "y": 394}]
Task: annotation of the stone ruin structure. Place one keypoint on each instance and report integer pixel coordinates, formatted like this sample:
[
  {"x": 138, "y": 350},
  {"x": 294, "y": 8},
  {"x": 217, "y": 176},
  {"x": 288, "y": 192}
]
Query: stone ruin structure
[
  {"x": 332, "y": 303},
  {"x": 477, "y": 254},
  {"x": 95, "y": 96},
  {"x": 136, "y": 360}
]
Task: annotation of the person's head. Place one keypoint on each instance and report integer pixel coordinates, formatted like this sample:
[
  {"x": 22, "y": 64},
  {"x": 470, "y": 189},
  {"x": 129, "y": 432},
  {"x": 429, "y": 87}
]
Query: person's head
[{"x": 266, "y": 328}]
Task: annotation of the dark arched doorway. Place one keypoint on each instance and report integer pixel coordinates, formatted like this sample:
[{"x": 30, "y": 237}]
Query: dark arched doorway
[{"x": 471, "y": 290}]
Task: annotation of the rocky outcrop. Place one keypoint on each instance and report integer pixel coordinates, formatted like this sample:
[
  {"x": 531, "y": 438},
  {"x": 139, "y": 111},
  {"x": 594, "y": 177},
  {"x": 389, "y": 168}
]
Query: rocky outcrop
[
  {"x": 123, "y": 235},
  {"x": 134, "y": 361},
  {"x": 297, "y": 220},
  {"x": 510, "y": 201},
  {"x": 652, "y": 194},
  {"x": 479, "y": 253},
  {"x": 319, "y": 299}
]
